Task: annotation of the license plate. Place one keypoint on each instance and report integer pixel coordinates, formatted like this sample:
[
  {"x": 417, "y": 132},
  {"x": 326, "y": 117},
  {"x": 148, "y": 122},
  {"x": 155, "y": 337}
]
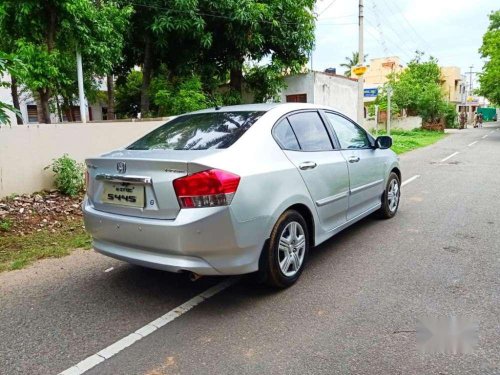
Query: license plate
[{"x": 129, "y": 195}]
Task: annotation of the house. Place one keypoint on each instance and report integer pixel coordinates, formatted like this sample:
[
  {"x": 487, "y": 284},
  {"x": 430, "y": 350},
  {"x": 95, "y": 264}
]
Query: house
[
  {"x": 322, "y": 88},
  {"x": 28, "y": 107},
  {"x": 380, "y": 68}
]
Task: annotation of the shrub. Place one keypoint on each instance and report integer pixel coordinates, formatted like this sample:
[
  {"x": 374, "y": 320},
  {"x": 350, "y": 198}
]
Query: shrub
[
  {"x": 5, "y": 225},
  {"x": 69, "y": 178},
  {"x": 450, "y": 116},
  {"x": 185, "y": 95}
]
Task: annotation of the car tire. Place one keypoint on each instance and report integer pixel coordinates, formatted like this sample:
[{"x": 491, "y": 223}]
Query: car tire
[
  {"x": 285, "y": 253},
  {"x": 390, "y": 197}
]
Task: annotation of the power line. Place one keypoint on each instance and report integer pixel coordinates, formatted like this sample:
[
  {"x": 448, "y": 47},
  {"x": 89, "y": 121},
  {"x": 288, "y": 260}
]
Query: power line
[
  {"x": 337, "y": 24},
  {"x": 388, "y": 24},
  {"x": 328, "y": 6},
  {"x": 338, "y": 17},
  {"x": 400, "y": 12},
  {"x": 392, "y": 42},
  {"x": 205, "y": 14}
]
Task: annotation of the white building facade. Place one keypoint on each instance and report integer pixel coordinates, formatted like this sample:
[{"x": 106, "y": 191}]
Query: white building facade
[{"x": 322, "y": 88}]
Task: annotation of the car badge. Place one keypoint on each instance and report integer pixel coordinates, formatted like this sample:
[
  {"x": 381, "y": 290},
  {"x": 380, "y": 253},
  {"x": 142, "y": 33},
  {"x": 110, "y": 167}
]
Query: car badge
[{"x": 121, "y": 167}]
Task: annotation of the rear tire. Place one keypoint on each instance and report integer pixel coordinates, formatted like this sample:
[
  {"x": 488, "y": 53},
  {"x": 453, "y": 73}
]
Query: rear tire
[
  {"x": 390, "y": 197},
  {"x": 285, "y": 253}
]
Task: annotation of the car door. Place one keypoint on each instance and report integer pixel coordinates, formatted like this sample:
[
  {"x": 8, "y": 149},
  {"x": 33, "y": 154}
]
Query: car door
[
  {"x": 365, "y": 163},
  {"x": 308, "y": 145}
]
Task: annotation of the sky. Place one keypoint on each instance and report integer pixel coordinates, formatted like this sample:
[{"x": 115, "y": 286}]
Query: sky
[{"x": 450, "y": 30}]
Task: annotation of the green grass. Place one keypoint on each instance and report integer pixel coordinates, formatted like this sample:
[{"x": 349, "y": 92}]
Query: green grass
[
  {"x": 5, "y": 225},
  {"x": 407, "y": 140},
  {"x": 19, "y": 251}
]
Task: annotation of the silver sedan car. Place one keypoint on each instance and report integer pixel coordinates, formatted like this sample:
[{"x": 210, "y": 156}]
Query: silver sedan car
[{"x": 240, "y": 189}]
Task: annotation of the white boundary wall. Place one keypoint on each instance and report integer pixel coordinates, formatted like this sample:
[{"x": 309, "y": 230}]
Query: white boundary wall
[
  {"x": 404, "y": 123},
  {"x": 25, "y": 150}
]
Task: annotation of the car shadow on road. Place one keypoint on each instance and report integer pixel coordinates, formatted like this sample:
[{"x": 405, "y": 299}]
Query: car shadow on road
[
  {"x": 325, "y": 252},
  {"x": 134, "y": 283}
]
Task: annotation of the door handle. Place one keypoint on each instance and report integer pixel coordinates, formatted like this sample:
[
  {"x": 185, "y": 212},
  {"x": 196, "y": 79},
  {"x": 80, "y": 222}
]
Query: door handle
[
  {"x": 353, "y": 159},
  {"x": 308, "y": 165}
]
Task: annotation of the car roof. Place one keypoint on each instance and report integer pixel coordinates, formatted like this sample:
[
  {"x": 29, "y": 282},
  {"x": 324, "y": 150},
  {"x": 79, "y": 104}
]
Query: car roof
[{"x": 262, "y": 107}]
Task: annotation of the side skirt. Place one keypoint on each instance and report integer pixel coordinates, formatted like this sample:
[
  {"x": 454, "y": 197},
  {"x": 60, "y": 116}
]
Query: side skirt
[{"x": 327, "y": 235}]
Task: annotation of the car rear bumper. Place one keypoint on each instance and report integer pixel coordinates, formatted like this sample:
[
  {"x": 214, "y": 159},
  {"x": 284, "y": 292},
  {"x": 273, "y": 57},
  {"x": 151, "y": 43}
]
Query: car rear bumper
[{"x": 207, "y": 241}]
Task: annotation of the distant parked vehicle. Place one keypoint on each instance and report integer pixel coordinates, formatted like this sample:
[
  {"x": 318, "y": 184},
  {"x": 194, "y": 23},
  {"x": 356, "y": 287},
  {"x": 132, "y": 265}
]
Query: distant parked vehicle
[{"x": 239, "y": 189}]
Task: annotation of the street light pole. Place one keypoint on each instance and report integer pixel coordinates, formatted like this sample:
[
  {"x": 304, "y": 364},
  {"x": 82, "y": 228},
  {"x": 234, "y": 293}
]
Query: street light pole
[
  {"x": 361, "y": 61},
  {"x": 470, "y": 95},
  {"x": 81, "y": 93}
]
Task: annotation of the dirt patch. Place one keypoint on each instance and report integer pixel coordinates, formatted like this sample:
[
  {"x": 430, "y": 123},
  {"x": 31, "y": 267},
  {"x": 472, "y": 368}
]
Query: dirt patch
[
  {"x": 28, "y": 213},
  {"x": 37, "y": 226}
]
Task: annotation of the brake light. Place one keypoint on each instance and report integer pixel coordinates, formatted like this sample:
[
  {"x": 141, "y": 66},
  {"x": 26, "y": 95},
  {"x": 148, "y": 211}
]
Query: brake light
[{"x": 208, "y": 188}]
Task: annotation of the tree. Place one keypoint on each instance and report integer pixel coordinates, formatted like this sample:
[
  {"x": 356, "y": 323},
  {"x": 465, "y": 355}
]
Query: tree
[
  {"x": 418, "y": 89},
  {"x": 351, "y": 63},
  {"x": 490, "y": 50},
  {"x": 46, "y": 35},
  {"x": 280, "y": 31},
  {"x": 7, "y": 65},
  {"x": 162, "y": 32}
]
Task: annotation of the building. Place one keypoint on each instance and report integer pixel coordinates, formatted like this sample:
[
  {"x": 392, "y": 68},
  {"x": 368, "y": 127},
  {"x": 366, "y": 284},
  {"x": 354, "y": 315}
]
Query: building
[
  {"x": 380, "y": 68},
  {"x": 322, "y": 88},
  {"x": 453, "y": 85},
  {"x": 28, "y": 108}
]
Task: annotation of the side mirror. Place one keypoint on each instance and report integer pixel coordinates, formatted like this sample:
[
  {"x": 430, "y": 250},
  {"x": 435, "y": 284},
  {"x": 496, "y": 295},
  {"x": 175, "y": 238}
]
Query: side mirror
[{"x": 383, "y": 142}]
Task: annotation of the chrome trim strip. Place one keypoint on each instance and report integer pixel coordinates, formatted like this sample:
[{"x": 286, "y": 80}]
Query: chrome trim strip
[
  {"x": 333, "y": 198},
  {"x": 119, "y": 178},
  {"x": 367, "y": 186}
]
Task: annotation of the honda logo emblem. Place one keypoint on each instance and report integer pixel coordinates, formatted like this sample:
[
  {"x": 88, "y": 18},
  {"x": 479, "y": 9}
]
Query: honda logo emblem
[{"x": 121, "y": 167}]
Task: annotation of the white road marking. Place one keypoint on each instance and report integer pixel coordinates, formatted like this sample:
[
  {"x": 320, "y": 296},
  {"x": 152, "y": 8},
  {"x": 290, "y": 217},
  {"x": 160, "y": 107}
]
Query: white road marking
[
  {"x": 109, "y": 269},
  {"x": 149, "y": 328},
  {"x": 485, "y": 136},
  {"x": 450, "y": 156},
  {"x": 410, "y": 180},
  {"x": 473, "y": 143}
]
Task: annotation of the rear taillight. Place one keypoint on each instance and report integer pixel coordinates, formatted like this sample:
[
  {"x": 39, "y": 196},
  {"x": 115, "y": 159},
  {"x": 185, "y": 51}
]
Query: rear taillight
[{"x": 206, "y": 189}]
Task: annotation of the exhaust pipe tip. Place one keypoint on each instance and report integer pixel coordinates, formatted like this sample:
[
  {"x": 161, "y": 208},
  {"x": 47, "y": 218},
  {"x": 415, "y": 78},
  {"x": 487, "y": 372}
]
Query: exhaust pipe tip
[{"x": 194, "y": 276}]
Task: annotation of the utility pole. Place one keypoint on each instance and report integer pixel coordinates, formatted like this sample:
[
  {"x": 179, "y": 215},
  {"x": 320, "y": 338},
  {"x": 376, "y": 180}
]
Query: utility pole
[
  {"x": 470, "y": 94},
  {"x": 361, "y": 61},
  {"x": 389, "y": 113},
  {"x": 81, "y": 93}
]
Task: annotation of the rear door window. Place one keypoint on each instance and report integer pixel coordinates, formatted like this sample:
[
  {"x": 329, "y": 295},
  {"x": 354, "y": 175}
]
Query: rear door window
[
  {"x": 310, "y": 131},
  {"x": 200, "y": 131},
  {"x": 283, "y": 133}
]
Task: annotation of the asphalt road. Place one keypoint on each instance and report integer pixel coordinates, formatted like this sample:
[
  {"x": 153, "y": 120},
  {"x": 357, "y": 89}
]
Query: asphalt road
[{"x": 354, "y": 310}]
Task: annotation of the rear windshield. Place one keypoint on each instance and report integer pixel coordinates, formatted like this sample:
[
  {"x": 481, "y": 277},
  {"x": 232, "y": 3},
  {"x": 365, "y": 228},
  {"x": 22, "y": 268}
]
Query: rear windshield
[{"x": 200, "y": 131}]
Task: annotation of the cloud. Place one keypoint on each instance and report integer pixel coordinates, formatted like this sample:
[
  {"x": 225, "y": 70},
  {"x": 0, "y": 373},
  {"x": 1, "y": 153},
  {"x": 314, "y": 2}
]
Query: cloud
[{"x": 450, "y": 30}]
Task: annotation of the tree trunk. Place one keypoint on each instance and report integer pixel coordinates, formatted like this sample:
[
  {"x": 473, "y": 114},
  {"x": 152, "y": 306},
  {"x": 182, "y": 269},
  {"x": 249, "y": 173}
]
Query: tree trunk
[
  {"x": 146, "y": 77},
  {"x": 236, "y": 78},
  {"x": 67, "y": 110},
  {"x": 111, "y": 97},
  {"x": 15, "y": 99},
  {"x": 44, "y": 112}
]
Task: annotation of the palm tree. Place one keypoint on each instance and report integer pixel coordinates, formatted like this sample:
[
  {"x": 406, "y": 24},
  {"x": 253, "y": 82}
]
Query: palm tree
[{"x": 351, "y": 62}]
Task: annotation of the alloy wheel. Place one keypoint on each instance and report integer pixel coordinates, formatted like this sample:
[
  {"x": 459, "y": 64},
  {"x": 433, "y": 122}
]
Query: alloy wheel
[
  {"x": 393, "y": 195},
  {"x": 292, "y": 247}
]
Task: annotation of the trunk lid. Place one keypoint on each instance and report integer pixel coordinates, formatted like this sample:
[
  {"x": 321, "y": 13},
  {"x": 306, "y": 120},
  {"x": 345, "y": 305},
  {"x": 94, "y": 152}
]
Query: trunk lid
[{"x": 139, "y": 183}]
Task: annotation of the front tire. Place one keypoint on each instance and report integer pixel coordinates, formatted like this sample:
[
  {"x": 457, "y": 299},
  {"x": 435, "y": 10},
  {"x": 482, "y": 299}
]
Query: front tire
[
  {"x": 390, "y": 197},
  {"x": 286, "y": 251}
]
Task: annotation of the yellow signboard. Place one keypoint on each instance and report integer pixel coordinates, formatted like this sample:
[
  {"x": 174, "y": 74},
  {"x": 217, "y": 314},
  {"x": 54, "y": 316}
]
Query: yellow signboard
[{"x": 359, "y": 70}]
